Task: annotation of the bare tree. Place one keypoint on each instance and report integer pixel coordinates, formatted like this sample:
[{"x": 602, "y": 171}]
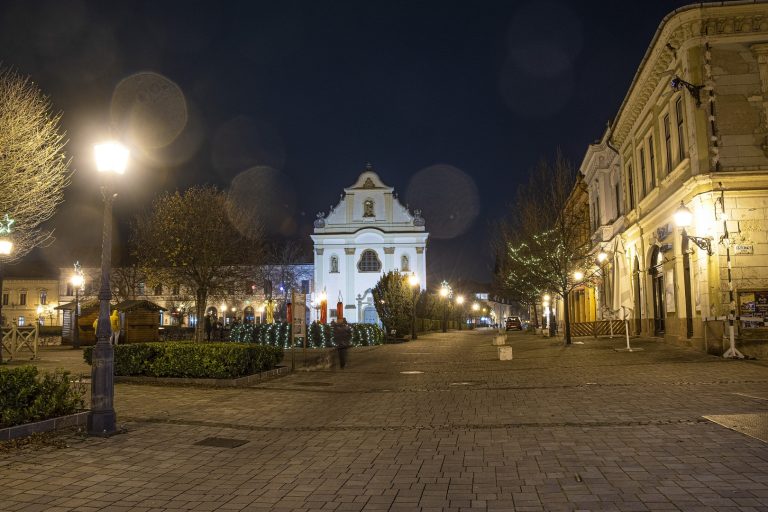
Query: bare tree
[
  {"x": 549, "y": 236},
  {"x": 33, "y": 167},
  {"x": 284, "y": 267},
  {"x": 188, "y": 238}
]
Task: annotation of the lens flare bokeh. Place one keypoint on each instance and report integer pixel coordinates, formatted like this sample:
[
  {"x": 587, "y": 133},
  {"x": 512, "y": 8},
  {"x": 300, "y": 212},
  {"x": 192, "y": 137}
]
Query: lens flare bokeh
[
  {"x": 448, "y": 198},
  {"x": 262, "y": 201},
  {"x": 149, "y": 110}
]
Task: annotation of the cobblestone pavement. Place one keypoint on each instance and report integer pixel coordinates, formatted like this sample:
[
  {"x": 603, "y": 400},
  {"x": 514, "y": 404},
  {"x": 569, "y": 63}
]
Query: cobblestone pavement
[{"x": 557, "y": 428}]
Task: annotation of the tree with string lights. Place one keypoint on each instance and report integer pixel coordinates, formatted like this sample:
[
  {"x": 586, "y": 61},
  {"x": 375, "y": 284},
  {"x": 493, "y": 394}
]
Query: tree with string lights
[{"x": 547, "y": 243}]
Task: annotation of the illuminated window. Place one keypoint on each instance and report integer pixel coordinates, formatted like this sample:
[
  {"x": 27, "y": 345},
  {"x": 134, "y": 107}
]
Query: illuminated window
[
  {"x": 642, "y": 172},
  {"x": 369, "y": 262},
  {"x": 667, "y": 145},
  {"x": 22, "y": 299},
  {"x": 630, "y": 187},
  {"x": 652, "y": 161},
  {"x": 680, "y": 136},
  {"x": 21, "y": 321}
]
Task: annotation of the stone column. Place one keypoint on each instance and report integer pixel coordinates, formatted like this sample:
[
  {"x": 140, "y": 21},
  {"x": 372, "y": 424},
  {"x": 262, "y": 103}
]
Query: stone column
[
  {"x": 349, "y": 281},
  {"x": 421, "y": 266},
  {"x": 389, "y": 259}
]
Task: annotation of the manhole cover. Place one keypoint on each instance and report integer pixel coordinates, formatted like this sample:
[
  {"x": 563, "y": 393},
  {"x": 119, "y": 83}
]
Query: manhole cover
[
  {"x": 314, "y": 383},
  {"x": 753, "y": 425},
  {"x": 411, "y": 372},
  {"x": 221, "y": 442}
]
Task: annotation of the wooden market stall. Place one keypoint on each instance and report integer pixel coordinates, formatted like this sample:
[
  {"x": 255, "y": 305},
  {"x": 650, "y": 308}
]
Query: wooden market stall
[{"x": 139, "y": 321}]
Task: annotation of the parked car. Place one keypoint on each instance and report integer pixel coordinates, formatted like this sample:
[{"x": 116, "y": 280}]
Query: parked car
[{"x": 513, "y": 322}]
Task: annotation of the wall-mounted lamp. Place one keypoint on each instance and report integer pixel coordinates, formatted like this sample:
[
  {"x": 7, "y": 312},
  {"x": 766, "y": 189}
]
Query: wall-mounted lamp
[
  {"x": 683, "y": 217},
  {"x": 678, "y": 83}
]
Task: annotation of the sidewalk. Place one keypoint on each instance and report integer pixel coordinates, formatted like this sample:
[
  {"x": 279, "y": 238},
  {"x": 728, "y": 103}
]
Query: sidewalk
[{"x": 434, "y": 424}]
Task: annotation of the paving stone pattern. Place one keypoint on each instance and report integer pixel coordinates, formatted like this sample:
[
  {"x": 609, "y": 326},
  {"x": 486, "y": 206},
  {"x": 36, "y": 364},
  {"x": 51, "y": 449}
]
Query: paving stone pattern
[{"x": 557, "y": 428}]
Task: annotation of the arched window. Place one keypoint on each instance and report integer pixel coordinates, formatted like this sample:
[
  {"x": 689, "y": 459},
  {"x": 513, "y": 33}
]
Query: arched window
[
  {"x": 334, "y": 265},
  {"x": 369, "y": 262},
  {"x": 404, "y": 263}
]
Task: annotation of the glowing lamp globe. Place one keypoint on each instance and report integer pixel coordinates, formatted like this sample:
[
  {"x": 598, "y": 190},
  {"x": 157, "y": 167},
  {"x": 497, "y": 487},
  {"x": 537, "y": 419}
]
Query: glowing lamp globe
[
  {"x": 77, "y": 281},
  {"x": 6, "y": 246},
  {"x": 602, "y": 256},
  {"x": 683, "y": 216},
  {"x": 578, "y": 275},
  {"x": 460, "y": 299},
  {"x": 475, "y": 307},
  {"x": 111, "y": 157},
  {"x": 413, "y": 280}
]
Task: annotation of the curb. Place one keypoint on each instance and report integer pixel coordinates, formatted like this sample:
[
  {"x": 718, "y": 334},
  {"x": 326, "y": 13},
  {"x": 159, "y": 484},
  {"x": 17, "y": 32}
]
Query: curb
[
  {"x": 246, "y": 381},
  {"x": 27, "y": 429}
]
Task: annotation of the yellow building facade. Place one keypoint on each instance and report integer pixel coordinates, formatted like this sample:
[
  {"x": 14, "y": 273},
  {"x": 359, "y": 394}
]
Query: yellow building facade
[
  {"x": 692, "y": 131},
  {"x": 28, "y": 301}
]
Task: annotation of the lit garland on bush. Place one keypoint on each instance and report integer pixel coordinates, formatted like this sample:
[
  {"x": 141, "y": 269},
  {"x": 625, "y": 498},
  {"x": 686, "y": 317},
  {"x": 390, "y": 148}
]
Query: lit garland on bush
[{"x": 278, "y": 334}]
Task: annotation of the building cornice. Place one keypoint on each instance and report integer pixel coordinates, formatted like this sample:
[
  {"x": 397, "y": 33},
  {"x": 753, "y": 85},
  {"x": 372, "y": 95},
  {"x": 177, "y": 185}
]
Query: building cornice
[{"x": 678, "y": 30}]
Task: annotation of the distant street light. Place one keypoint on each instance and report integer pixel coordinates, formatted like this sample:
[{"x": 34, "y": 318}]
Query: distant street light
[
  {"x": 111, "y": 159},
  {"x": 578, "y": 275},
  {"x": 77, "y": 283},
  {"x": 475, "y": 307},
  {"x": 6, "y": 248}
]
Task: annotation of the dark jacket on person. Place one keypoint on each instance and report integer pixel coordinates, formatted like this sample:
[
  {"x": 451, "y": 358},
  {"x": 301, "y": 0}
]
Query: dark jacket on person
[{"x": 342, "y": 334}]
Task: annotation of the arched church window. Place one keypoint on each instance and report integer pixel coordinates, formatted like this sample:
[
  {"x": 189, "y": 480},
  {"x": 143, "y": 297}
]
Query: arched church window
[
  {"x": 369, "y": 262},
  {"x": 368, "y": 208},
  {"x": 334, "y": 265},
  {"x": 404, "y": 263}
]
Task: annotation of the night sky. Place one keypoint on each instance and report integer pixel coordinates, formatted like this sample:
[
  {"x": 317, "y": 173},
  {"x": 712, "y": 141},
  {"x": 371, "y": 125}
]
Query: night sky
[{"x": 452, "y": 102}]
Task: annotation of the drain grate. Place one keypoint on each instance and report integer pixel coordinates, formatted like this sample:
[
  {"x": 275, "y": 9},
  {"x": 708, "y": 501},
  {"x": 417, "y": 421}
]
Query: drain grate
[
  {"x": 753, "y": 425},
  {"x": 318, "y": 383},
  {"x": 221, "y": 442}
]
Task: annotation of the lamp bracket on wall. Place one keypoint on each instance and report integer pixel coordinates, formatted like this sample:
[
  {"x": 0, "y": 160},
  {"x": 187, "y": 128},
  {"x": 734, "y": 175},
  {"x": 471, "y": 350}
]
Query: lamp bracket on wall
[{"x": 695, "y": 90}]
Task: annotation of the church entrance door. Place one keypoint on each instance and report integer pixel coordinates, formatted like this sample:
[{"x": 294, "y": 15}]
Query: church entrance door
[{"x": 370, "y": 316}]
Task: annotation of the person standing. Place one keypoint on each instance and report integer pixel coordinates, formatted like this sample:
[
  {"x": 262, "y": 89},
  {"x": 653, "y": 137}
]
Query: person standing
[
  {"x": 342, "y": 335},
  {"x": 208, "y": 326}
]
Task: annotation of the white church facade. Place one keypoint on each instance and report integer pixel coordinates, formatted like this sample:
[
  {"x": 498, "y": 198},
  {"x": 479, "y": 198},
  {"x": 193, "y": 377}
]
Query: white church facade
[{"x": 368, "y": 233}]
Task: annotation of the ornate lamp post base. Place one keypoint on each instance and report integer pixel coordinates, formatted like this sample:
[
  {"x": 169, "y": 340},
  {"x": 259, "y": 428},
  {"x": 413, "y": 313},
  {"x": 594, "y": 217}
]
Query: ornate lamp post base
[{"x": 102, "y": 419}]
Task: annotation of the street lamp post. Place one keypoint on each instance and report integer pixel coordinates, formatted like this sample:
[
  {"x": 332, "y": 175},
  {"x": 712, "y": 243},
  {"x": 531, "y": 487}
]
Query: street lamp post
[
  {"x": 460, "y": 303},
  {"x": 413, "y": 281},
  {"x": 445, "y": 293},
  {"x": 77, "y": 283},
  {"x": 6, "y": 247},
  {"x": 111, "y": 158}
]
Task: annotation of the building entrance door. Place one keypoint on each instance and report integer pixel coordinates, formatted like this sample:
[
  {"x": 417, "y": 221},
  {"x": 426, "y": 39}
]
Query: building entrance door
[
  {"x": 370, "y": 316},
  {"x": 657, "y": 279}
]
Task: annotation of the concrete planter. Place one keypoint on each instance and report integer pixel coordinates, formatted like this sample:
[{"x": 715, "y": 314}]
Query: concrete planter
[
  {"x": 246, "y": 381},
  {"x": 505, "y": 353},
  {"x": 73, "y": 420},
  {"x": 499, "y": 340}
]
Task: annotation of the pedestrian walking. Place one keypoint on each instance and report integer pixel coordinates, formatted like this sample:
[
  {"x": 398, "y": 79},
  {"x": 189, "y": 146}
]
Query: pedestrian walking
[
  {"x": 208, "y": 326},
  {"x": 342, "y": 334}
]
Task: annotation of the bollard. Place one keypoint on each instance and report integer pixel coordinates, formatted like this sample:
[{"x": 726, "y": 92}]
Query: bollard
[
  {"x": 501, "y": 339},
  {"x": 505, "y": 353}
]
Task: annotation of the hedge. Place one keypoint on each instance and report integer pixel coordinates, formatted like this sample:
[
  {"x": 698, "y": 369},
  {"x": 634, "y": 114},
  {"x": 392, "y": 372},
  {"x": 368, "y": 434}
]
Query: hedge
[
  {"x": 192, "y": 360},
  {"x": 26, "y": 396},
  {"x": 363, "y": 335}
]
